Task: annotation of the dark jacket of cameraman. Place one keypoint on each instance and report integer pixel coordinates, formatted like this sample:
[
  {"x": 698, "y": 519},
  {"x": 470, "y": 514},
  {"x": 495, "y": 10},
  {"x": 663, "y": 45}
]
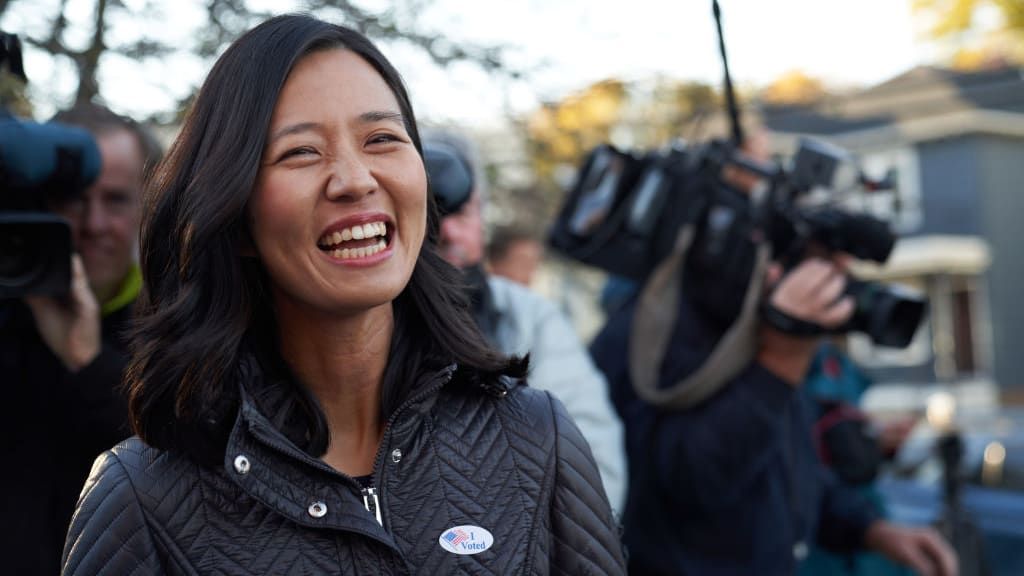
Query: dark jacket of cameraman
[
  {"x": 731, "y": 486},
  {"x": 54, "y": 423}
]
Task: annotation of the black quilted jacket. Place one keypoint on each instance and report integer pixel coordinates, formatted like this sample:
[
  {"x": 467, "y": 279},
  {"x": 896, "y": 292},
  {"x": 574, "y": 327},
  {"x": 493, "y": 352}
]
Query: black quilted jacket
[{"x": 454, "y": 459}]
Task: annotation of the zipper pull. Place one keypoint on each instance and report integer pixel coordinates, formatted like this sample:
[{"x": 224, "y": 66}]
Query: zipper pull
[{"x": 372, "y": 503}]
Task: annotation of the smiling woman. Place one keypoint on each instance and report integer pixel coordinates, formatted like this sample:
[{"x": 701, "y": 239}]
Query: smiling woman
[
  {"x": 309, "y": 391},
  {"x": 338, "y": 166}
]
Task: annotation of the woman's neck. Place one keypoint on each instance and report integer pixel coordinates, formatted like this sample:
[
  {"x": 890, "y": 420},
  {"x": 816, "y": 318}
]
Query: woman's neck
[{"x": 341, "y": 360}]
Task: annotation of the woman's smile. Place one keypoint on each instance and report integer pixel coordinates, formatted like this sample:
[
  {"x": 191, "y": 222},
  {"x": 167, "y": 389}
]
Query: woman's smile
[{"x": 363, "y": 240}]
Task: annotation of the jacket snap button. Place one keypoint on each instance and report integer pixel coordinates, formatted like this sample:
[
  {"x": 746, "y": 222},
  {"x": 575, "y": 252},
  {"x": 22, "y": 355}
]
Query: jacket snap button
[
  {"x": 396, "y": 456},
  {"x": 317, "y": 509},
  {"x": 242, "y": 464}
]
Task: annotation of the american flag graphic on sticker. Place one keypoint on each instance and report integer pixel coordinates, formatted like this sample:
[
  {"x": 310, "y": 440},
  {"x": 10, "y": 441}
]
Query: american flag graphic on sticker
[{"x": 466, "y": 539}]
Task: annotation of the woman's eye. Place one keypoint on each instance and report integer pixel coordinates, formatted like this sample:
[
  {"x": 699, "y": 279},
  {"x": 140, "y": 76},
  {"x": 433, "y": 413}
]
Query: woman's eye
[
  {"x": 298, "y": 152},
  {"x": 384, "y": 139}
]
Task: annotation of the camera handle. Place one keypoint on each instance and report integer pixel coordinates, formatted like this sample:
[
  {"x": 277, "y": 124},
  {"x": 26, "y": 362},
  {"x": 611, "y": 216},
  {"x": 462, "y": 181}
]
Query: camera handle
[
  {"x": 655, "y": 318},
  {"x": 789, "y": 324}
]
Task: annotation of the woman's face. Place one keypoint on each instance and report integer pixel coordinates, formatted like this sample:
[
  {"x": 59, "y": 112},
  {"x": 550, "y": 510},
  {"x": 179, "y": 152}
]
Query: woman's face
[{"x": 338, "y": 214}]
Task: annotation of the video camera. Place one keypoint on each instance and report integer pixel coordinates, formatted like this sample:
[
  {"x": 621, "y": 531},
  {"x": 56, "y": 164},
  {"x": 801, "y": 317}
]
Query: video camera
[
  {"x": 625, "y": 211},
  {"x": 40, "y": 165},
  {"x": 627, "y": 214}
]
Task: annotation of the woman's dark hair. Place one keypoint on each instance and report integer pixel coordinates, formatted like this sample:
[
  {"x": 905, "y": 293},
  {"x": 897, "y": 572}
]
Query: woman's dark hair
[{"x": 204, "y": 305}]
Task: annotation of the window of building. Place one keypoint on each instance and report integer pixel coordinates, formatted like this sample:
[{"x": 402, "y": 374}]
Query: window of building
[
  {"x": 900, "y": 206},
  {"x": 952, "y": 338}
]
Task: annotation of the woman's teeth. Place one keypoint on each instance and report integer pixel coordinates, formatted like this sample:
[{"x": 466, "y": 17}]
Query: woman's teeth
[
  {"x": 358, "y": 232},
  {"x": 351, "y": 253},
  {"x": 363, "y": 235}
]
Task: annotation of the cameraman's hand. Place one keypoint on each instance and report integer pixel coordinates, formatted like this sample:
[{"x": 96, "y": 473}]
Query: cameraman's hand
[
  {"x": 71, "y": 326},
  {"x": 812, "y": 292},
  {"x": 922, "y": 550}
]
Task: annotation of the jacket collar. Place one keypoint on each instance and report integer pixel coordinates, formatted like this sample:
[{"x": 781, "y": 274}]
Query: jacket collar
[{"x": 262, "y": 460}]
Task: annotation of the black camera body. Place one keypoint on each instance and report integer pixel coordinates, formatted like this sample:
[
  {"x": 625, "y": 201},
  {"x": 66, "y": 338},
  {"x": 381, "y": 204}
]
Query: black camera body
[
  {"x": 40, "y": 164},
  {"x": 624, "y": 214}
]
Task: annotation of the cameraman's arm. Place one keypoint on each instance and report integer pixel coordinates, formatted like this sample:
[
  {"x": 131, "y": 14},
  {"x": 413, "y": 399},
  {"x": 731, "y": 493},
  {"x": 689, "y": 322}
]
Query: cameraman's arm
[
  {"x": 812, "y": 292},
  {"x": 96, "y": 410},
  {"x": 845, "y": 515},
  {"x": 852, "y": 523},
  {"x": 730, "y": 439},
  {"x": 71, "y": 328}
]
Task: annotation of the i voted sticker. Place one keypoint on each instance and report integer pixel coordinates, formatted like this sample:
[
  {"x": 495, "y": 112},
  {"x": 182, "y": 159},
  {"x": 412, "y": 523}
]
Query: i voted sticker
[{"x": 466, "y": 540}]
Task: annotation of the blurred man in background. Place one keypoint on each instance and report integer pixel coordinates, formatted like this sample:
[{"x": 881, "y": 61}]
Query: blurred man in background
[
  {"x": 518, "y": 321},
  {"x": 63, "y": 358}
]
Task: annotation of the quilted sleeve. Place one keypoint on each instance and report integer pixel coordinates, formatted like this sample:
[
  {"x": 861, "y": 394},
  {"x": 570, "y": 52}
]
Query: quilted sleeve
[
  {"x": 108, "y": 533},
  {"x": 559, "y": 363},
  {"x": 584, "y": 534}
]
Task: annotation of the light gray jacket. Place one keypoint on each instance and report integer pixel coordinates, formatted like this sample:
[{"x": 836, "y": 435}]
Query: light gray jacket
[{"x": 560, "y": 364}]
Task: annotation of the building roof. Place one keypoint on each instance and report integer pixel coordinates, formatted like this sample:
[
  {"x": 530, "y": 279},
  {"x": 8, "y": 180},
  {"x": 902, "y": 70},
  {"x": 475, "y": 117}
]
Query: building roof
[{"x": 918, "y": 94}]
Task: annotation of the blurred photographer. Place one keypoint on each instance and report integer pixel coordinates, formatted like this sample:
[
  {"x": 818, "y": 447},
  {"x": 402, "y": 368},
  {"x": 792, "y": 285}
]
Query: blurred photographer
[
  {"x": 853, "y": 445},
  {"x": 733, "y": 484},
  {"x": 62, "y": 351},
  {"x": 519, "y": 321}
]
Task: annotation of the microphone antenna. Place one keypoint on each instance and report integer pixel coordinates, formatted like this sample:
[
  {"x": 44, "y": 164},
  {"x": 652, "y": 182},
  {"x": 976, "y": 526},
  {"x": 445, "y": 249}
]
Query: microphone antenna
[{"x": 730, "y": 94}]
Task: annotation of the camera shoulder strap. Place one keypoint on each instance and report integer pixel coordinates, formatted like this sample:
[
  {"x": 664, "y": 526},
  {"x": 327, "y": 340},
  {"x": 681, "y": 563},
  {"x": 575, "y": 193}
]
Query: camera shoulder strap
[{"x": 655, "y": 319}]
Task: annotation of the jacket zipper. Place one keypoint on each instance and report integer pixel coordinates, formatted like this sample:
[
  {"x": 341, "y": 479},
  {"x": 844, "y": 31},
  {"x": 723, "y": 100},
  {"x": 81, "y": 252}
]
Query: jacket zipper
[
  {"x": 372, "y": 503},
  {"x": 371, "y": 496}
]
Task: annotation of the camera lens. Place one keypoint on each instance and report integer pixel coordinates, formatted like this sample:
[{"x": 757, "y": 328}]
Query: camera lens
[
  {"x": 889, "y": 314},
  {"x": 20, "y": 263}
]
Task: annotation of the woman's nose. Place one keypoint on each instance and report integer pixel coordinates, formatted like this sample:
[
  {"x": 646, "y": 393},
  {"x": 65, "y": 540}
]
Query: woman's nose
[{"x": 351, "y": 178}]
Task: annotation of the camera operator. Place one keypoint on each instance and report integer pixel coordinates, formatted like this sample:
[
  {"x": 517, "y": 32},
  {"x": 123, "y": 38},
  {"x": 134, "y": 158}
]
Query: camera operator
[
  {"x": 63, "y": 357},
  {"x": 733, "y": 485},
  {"x": 519, "y": 321},
  {"x": 853, "y": 446}
]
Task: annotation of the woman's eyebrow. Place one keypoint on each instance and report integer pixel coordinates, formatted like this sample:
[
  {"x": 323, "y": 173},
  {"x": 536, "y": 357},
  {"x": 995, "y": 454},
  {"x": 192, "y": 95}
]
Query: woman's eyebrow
[
  {"x": 294, "y": 129},
  {"x": 364, "y": 118},
  {"x": 382, "y": 115}
]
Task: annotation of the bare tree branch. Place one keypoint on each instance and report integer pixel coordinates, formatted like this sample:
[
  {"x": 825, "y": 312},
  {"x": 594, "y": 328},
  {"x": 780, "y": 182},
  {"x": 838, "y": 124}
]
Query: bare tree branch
[
  {"x": 385, "y": 26},
  {"x": 228, "y": 19},
  {"x": 88, "y": 61},
  {"x": 142, "y": 49}
]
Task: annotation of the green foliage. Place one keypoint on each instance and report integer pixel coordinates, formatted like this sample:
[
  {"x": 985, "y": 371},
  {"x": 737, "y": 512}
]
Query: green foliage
[{"x": 950, "y": 19}]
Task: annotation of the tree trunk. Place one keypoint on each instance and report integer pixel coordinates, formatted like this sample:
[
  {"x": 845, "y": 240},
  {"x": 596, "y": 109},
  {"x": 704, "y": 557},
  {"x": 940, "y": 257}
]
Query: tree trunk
[{"x": 88, "y": 61}]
